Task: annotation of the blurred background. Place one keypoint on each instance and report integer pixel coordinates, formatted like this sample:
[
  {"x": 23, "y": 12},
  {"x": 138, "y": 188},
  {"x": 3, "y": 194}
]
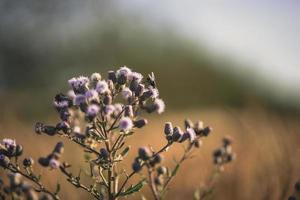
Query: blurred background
[{"x": 235, "y": 65}]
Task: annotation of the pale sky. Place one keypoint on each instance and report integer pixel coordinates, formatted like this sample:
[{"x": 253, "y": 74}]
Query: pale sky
[{"x": 262, "y": 35}]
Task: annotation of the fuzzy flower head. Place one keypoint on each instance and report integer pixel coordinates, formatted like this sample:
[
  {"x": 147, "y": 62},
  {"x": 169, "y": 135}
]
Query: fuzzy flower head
[
  {"x": 79, "y": 99},
  {"x": 78, "y": 83},
  {"x": 126, "y": 93},
  {"x": 135, "y": 76},
  {"x": 109, "y": 109},
  {"x": 102, "y": 87},
  {"x": 118, "y": 108},
  {"x": 92, "y": 111},
  {"x": 53, "y": 163},
  {"x": 92, "y": 95},
  {"x": 9, "y": 143},
  {"x": 61, "y": 104},
  {"x": 125, "y": 124},
  {"x": 159, "y": 105},
  {"x": 95, "y": 77},
  {"x": 124, "y": 71}
]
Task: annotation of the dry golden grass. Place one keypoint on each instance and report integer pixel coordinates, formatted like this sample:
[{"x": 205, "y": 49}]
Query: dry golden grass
[{"x": 267, "y": 147}]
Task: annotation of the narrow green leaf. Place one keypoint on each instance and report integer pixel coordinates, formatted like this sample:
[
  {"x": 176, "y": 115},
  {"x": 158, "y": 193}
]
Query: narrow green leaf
[
  {"x": 57, "y": 189},
  {"x": 125, "y": 151},
  {"x": 175, "y": 170},
  {"x": 133, "y": 189}
]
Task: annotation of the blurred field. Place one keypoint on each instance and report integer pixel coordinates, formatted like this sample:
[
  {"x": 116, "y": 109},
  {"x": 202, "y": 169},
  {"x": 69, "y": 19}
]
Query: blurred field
[{"x": 267, "y": 146}]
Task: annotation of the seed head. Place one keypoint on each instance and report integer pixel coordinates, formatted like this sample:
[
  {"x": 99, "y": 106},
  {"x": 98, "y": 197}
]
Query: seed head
[
  {"x": 102, "y": 87},
  {"x": 125, "y": 124}
]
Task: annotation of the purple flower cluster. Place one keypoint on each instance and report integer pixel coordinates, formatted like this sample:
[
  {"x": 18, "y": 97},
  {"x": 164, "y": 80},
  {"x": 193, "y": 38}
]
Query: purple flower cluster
[{"x": 97, "y": 100}]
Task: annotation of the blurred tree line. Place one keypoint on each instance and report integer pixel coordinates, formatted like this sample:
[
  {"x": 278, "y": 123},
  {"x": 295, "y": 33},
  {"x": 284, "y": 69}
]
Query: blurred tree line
[{"x": 44, "y": 43}]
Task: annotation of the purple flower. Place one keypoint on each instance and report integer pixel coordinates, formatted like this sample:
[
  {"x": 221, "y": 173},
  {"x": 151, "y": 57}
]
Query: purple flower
[
  {"x": 102, "y": 87},
  {"x": 125, "y": 124},
  {"x": 109, "y": 109},
  {"x": 124, "y": 71},
  {"x": 53, "y": 163},
  {"x": 159, "y": 105},
  {"x": 79, "y": 99},
  {"x": 78, "y": 83},
  {"x": 126, "y": 93},
  {"x": 61, "y": 104},
  {"x": 136, "y": 76},
  {"x": 92, "y": 95},
  {"x": 92, "y": 111},
  {"x": 118, "y": 108},
  {"x": 9, "y": 143}
]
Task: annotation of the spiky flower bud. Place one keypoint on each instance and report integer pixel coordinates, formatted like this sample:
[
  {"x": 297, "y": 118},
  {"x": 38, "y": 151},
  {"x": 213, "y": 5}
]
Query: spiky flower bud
[
  {"x": 157, "y": 159},
  {"x": 140, "y": 123},
  {"x": 63, "y": 126},
  {"x": 128, "y": 111},
  {"x": 207, "y": 131},
  {"x": 177, "y": 134},
  {"x": 168, "y": 128},
  {"x": 159, "y": 180},
  {"x": 59, "y": 148},
  {"x": 28, "y": 162},
  {"x": 188, "y": 123},
  {"x": 107, "y": 99},
  {"x": 54, "y": 163},
  {"x": 104, "y": 154},
  {"x": 112, "y": 76},
  {"x": 161, "y": 170},
  {"x": 4, "y": 161},
  {"x": 95, "y": 77},
  {"x": 144, "y": 153},
  {"x": 136, "y": 166}
]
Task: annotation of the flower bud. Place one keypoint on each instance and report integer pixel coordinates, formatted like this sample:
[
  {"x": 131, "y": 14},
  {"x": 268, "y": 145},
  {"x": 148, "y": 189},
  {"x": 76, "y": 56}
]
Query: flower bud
[
  {"x": 157, "y": 159},
  {"x": 159, "y": 180},
  {"x": 112, "y": 76},
  {"x": 139, "y": 90},
  {"x": 43, "y": 161},
  {"x": 140, "y": 123},
  {"x": 64, "y": 127},
  {"x": 104, "y": 153},
  {"x": 59, "y": 148},
  {"x": 188, "y": 123},
  {"x": 144, "y": 153},
  {"x": 39, "y": 127},
  {"x": 297, "y": 186},
  {"x": 134, "y": 86},
  {"x": 107, "y": 100},
  {"x": 177, "y": 134},
  {"x": 28, "y": 162},
  {"x": 49, "y": 130},
  {"x": 161, "y": 170},
  {"x": 207, "y": 130},
  {"x": 4, "y": 161},
  {"x": 19, "y": 150},
  {"x": 136, "y": 166},
  {"x": 54, "y": 163},
  {"x": 122, "y": 79},
  {"x": 128, "y": 112},
  {"x": 168, "y": 128}
]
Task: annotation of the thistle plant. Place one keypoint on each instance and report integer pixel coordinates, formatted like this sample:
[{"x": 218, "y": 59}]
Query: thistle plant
[{"x": 99, "y": 115}]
